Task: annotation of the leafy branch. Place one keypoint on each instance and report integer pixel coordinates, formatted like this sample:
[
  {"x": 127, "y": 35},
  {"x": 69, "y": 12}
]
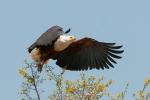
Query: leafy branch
[{"x": 85, "y": 88}]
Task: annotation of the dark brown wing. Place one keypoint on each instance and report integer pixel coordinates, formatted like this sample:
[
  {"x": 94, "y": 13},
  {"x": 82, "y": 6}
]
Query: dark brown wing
[
  {"x": 47, "y": 38},
  {"x": 87, "y": 54}
]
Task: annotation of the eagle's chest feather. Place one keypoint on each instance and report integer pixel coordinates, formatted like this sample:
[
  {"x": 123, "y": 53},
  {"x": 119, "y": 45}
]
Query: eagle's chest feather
[{"x": 61, "y": 45}]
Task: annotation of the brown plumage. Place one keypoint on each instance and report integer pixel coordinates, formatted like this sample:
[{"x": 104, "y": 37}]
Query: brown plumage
[
  {"x": 87, "y": 54},
  {"x": 82, "y": 54}
]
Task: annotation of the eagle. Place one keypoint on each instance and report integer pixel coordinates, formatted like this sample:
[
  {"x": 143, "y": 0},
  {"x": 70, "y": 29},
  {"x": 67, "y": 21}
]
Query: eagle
[{"x": 72, "y": 54}]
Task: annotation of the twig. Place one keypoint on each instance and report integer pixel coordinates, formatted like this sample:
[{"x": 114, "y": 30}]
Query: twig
[
  {"x": 34, "y": 83},
  {"x": 58, "y": 79},
  {"x": 82, "y": 94}
]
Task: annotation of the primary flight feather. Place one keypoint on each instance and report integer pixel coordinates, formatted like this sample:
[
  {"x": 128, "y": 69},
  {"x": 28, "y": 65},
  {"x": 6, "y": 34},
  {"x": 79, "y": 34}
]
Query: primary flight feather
[{"x": 72, "y": 54}]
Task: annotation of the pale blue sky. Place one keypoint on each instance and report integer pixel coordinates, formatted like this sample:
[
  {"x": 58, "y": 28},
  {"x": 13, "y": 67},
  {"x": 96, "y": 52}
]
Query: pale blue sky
[{"x": 126, "y": 22}]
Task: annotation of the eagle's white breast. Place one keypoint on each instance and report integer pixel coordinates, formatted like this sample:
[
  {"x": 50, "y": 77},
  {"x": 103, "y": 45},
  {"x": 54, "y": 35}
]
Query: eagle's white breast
[{"x": 63, "y": 42}]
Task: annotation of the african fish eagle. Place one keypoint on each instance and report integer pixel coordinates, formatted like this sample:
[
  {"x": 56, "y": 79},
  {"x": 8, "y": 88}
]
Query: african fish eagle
[{"x": 72, "y": 54}]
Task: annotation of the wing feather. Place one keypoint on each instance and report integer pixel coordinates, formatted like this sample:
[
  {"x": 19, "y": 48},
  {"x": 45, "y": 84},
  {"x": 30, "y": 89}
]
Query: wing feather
[
  {"x": 47, "y": 37},
  {"x": 87, "y": 54}
]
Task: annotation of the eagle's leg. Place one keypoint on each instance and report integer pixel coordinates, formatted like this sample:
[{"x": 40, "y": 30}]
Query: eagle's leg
[
  {"x": 39, "y": 67},
  {"x": 65, "y": 67},
  {"x": 46, "y": 62}
]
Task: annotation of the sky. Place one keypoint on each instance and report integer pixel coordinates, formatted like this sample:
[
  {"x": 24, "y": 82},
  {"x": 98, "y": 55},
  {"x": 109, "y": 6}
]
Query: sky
[{"x": 126, "y": 22}]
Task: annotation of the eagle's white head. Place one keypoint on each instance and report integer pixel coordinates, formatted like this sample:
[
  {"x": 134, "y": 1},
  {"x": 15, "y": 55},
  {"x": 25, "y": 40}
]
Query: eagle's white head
[{"x": 63, "y": 42}]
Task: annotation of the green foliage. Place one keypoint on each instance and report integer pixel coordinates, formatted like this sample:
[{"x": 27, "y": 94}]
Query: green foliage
[{"x": 85, "y": 88}]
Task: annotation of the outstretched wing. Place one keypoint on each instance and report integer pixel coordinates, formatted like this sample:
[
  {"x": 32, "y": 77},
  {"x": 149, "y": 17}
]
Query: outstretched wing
[
  {"x": 87, "y": 54},
  {"x": 47, "y": 38}
]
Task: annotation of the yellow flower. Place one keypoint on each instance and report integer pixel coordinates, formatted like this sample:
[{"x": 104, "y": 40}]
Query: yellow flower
[
  {"x": 51, "y": 98},
  {"x": 68, "y": 83},
  {"x": 22, "y": 72},
  {"x": 70, "y": 90},
  {"x": 85, "y": 84},
  {"x": 141, "y": 95},
  {"x": 110, "y": 82},
  {"x": 30, "y": 80},
  {"x": 101, "y": 88},
  {"x": 147, "y": 81}
]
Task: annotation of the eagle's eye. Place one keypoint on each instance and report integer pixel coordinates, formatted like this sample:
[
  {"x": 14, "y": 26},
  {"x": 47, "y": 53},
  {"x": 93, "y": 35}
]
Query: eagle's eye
[{"x": 71, "y": 37}]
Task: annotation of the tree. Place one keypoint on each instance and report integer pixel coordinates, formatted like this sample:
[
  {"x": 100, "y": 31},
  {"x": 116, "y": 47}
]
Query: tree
[{"x": 85, "y": 88}]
